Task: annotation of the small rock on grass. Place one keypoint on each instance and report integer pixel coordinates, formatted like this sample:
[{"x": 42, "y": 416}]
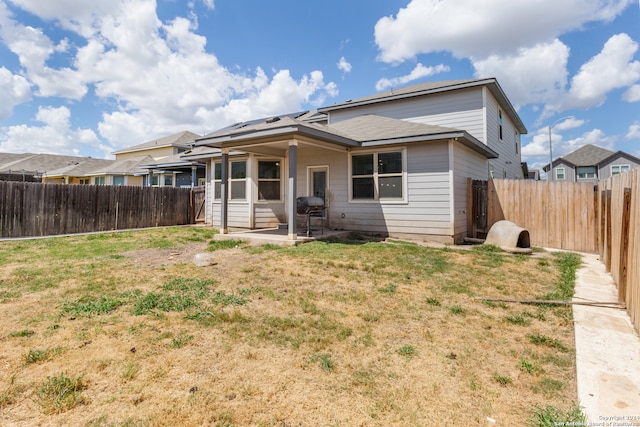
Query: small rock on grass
[{"x": 204, "y": 259}]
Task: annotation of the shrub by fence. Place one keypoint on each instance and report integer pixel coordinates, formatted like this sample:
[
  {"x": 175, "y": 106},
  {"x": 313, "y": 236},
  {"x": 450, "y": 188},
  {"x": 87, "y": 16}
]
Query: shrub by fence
[{"x": 34, "y": 209}]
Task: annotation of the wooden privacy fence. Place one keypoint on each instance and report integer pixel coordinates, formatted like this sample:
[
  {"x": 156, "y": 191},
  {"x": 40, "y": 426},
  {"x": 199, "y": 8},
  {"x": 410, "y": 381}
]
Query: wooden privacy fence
[
  {"x": 556, "y": 214},
  {"x": 602, "y": 218},
  {"x": 34, "y": 209},
  {"x": 619, "y": 236}
]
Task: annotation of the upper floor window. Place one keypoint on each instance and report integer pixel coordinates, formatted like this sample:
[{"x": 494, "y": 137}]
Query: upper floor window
[
  {"x": 516, "y": 138},
  {"x": 560, "y": 174},
  {"x": 616, "y": 169},
  {"x": 500, "y": 124},
  {"x": 268, "y": 180},
  {"x": 588, "y": 172},
  {"x": 378, "y": 176}
]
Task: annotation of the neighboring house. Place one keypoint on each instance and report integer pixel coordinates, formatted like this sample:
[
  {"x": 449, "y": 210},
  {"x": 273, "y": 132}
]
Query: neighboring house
[
  {"x": 48, "y": 168},
  {"x": 119, "y": 172},
  {"x": 534, "y": 175},
  {"x": 395, "y": 163},
  {"x": 163, "y": 166},
  {"x": 591, "y": 163},
  {"x": 174, "y": 171}
]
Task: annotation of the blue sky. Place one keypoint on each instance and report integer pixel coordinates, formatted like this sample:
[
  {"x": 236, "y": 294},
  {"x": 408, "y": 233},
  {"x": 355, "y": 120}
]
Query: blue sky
[{"x": 89, "y": 78}]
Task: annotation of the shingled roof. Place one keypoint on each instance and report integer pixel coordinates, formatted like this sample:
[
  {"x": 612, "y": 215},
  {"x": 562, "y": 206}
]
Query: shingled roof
[{"x": 588, "y": 155}]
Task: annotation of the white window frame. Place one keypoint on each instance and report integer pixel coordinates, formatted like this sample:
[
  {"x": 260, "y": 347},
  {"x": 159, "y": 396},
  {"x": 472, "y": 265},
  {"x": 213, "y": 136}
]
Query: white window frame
[
  {"x": 246, "y": 179},
  {"x": 99, "y": 180},
  {"x": 124, "y": 179},
  {"x": 376, "y": 176},
  {"x": 564, "y": 174},
  {"x": 279, "y": 180},
  {"x": 626, "y": 167},
  {"x": 595, "y": 172}
]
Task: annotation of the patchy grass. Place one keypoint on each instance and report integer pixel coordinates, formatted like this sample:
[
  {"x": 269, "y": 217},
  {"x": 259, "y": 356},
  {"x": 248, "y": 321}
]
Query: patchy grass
[{"x": 353, "y": 332}]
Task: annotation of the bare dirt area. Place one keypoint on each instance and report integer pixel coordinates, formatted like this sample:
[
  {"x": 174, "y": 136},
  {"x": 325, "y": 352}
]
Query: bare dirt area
[{"x": 126, "y": 331}]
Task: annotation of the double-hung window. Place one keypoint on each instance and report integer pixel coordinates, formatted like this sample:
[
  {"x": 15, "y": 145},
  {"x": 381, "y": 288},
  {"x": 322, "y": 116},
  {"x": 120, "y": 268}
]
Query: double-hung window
[
  {"x": 238, "y": 180},
  {"x": 217, "y": 180},
  {"x": 560, "y": 174},
  {"x": 99, "y": 180},
  {"x": 268, "y": 180},
  {"x": 616, "y": 169},
  {"x": 378, "y": 176}
]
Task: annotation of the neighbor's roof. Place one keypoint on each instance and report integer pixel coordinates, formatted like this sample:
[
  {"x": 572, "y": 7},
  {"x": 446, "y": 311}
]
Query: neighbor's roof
[
  {"x": 175, "y": 160},
  {"x": 42, "y": 163},
  {"x": 430, "y": 88},
  {"x": 588, "y": 155},
  {"x": 80, "y": 168},
  {"x": 182, "y": 139},
  {"x": 361, "y": 131},
  {"x": 123, "y": 167}
]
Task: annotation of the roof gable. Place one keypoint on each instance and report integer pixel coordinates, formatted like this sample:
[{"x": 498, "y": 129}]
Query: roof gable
[{"x": 588, "y": 155}]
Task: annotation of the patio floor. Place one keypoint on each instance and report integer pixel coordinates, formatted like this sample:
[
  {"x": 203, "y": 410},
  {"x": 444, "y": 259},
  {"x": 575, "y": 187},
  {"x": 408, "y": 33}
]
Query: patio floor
[{"x": 278, "y": 236}]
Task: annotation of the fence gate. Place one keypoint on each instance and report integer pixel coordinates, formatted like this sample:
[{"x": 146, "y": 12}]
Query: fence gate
[
  {"x": 198, "y": 200},
  {"x": 478, "y": 200}
]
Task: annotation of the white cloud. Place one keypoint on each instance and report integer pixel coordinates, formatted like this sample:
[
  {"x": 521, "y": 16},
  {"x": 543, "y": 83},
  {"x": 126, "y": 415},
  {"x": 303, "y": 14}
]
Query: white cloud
[
  {"x": 14, "y": 90},
  {"x": 481, "y": 28},
  {"x": 632, "y": 94},
  {"x": 530, "y": 75},
  {"x": 610, "y": 69},
  {"x": 420, "y": 71},
  {"x": 54, "y": 136},
  {"x": 634, "y": 131},
  {"x": 343, "y": 65},
  {"x": 154, "y": 77},
  {"x": 539, "y": 145}
]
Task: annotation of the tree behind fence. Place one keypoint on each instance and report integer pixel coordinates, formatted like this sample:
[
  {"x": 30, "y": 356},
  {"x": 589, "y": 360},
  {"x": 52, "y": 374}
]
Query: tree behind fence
[{"x": 34, "y": 209}]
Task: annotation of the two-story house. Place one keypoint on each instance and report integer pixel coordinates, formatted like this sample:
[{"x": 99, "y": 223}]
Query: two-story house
[{"x": 394, "y": 163}]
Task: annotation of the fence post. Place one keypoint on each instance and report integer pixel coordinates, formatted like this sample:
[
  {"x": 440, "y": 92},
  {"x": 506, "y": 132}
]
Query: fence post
[{"x": 624, "y": 245}]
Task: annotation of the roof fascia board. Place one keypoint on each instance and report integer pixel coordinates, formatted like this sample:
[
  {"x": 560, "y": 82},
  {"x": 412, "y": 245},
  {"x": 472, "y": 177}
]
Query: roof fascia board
[{"x": 242, "y": 139}]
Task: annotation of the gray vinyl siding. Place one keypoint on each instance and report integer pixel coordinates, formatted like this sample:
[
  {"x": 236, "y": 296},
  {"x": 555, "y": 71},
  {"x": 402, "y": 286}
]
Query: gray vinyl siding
[
  {"x": 569, "y": 171},
  {"x": 466, "y": 164},
  {"x": 605, "y": 168},
  {"x": 428, "y": 207},
  {"x": 461, "y": 109},
  {"x": 507, "y": 165}
]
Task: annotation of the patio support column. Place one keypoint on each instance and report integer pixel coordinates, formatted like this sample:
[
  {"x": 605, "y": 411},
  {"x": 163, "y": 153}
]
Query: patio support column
[
  {"x": 293, "y": 191},
  {"x": 224, "y": 188},
  {"x": 194, "y": 175}
]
